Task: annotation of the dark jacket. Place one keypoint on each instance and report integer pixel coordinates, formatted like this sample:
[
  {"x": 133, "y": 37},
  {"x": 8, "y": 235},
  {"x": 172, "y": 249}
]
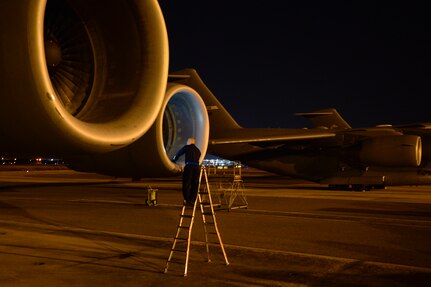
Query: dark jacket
[{"x": 192, "y": 154}]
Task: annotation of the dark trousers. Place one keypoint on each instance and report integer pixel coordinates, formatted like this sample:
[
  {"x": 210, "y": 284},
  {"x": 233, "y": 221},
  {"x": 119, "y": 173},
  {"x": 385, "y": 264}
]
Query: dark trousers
[{"x": 190, "y": 182}]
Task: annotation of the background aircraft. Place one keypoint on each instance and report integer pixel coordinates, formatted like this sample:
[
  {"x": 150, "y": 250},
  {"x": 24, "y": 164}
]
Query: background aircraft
[
  {"x": 331, "y": 153},
  {"x": 89, "y": 83}
]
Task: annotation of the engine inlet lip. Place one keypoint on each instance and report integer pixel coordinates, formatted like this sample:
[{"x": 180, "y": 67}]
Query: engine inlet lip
[
  {"x": 126, "y": 128},
  {"x": 197, "y": 107}
]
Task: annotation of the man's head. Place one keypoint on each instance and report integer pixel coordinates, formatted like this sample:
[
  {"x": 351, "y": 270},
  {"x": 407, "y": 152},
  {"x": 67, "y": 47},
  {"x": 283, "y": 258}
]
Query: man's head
[{"x": 191, "y": 141}]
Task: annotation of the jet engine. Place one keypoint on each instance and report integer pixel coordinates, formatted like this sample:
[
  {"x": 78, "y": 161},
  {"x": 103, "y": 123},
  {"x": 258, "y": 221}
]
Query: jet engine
[
  {"x": 79, "y": 76},
  {"x": 183, "y": 115},
  {"x": 392, "y": 151}
]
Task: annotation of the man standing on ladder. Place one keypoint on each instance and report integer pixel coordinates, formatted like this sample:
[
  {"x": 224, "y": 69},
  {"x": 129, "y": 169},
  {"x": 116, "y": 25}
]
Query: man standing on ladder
[{"x": 191, "y": 170}]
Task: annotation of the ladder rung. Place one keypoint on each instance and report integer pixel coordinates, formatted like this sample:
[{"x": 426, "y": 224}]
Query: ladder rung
[
  {"x": 186, "y": 216},
  {"x": 181, "y": 238},
  {"x": 207, "y": 213},
  {"x": 182, "y": 226},
  {"x": 178, "y": 250},
  {"x": 213, "y": 233}
]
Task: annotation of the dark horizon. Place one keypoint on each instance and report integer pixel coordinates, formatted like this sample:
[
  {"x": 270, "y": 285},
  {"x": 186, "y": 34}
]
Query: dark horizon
[{"x": 265, "y": 62}]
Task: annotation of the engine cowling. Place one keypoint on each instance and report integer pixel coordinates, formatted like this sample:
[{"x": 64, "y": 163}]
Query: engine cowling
[
  {"x": 79, "y": 76},
  {"x": 183, "y": 115},
  {"x": 392, "y": 151}
]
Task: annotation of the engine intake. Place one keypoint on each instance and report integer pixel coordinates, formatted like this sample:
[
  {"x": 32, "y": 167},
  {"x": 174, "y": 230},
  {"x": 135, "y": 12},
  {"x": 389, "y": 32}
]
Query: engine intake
[{"x": 80, "y": 76}]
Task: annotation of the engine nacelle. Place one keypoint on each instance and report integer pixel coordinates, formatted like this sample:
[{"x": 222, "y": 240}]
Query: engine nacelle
[
  {"x": 392, "y": 151},
  {"x": 79, "y": 76},
  {"x": 183, "y": 115}
]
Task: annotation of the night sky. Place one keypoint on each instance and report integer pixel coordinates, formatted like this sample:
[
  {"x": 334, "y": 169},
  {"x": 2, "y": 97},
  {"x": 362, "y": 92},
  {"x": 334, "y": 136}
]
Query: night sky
[{"x": 265, "y": 60}]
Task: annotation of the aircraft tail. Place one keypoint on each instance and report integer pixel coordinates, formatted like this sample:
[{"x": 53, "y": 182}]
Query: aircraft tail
[
  {"x": 225, "y": 130},
  {"x": 220, "y": 119}
]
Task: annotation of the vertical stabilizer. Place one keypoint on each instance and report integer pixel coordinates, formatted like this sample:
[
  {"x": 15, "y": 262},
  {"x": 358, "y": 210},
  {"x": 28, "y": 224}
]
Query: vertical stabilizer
[{"x": 220, "y": 119}]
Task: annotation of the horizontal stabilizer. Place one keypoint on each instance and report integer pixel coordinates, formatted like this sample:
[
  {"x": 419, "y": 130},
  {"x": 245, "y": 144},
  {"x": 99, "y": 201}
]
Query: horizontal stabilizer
[{"x": 326, "y": 118}]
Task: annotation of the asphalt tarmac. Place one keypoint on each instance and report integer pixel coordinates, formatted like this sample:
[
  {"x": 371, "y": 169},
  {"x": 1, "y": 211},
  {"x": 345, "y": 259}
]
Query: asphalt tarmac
[{"x": 64, "y": 228}]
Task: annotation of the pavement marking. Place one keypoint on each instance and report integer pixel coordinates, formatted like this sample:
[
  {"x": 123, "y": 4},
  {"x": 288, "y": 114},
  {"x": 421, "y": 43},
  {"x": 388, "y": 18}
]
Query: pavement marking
[
  {"x": 343, "y": 217},
  {"x": 229, "y": 246}
]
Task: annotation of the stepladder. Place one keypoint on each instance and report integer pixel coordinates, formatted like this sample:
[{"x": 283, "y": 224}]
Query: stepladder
[
  {"x": 231, "y": 194},
  {"x": 180, "y": 251},
  {"x": 235, "y": 194}
]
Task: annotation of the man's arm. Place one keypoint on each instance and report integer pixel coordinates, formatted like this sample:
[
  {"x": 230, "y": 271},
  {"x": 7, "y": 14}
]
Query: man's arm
[{"x": 179, "y": 153}]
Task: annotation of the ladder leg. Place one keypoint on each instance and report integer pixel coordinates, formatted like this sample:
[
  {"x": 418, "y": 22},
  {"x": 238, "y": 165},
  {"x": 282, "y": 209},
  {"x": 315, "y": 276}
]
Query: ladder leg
[
  {"x": 214, "y": 220},
  {"x": 201, "y": 194},
  {"x": 189, "y": 238},
  {"x": 171, "y": 253},
  {"x": 201, "y": 202}
]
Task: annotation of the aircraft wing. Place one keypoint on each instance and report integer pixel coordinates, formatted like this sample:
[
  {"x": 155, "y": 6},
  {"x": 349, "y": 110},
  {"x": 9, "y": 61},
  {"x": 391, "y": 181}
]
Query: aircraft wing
[
  {"x": 426, "y": 126},
  {"x": 420, "y": 129},
  {"x": 269, "y": 136}
]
